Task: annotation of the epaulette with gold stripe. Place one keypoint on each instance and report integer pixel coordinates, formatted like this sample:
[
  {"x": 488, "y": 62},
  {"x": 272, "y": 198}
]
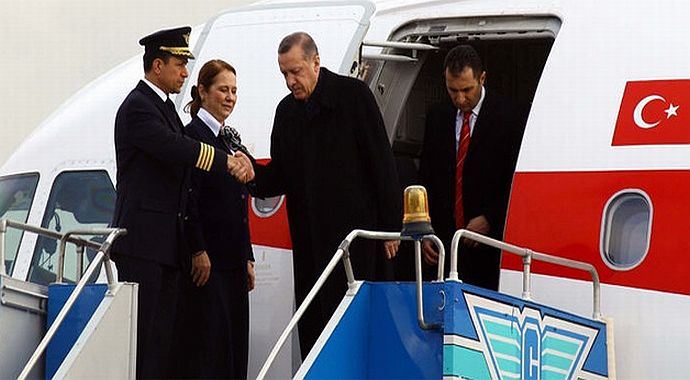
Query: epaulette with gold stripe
[{"x": 206, "y": 155}]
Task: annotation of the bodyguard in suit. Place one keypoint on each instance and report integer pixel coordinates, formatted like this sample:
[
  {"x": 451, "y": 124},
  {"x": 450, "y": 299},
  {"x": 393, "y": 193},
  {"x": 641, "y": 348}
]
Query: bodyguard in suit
[
  {"x": 154, "y": 159},
  {"x": 222, "y": 259},
  {"x": 467, "y": 164}
]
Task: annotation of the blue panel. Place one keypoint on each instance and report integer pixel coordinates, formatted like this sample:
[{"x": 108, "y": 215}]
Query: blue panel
[
  {"x": 378, "y": 336},
  {"x": 400, "y": 349},
  {"x": 596, "y": 361},
  {"x": 456, "y": 314},
  {"x": 74, "y": 323},
  {"x": 345, "y": 354}
]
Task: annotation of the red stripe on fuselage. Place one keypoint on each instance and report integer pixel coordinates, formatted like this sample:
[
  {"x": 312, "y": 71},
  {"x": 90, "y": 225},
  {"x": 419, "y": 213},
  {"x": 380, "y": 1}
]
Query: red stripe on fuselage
[
  {"x": 272, "y": 231},
  {"x": 561, "y": 214}
]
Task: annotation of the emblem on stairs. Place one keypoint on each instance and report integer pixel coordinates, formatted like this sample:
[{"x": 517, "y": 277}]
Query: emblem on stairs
[{"x": 524, "y": 344}]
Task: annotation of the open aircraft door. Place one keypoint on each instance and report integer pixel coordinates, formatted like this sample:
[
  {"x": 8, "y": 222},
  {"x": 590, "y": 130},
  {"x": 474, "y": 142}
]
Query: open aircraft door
[{"x": 248, "y": 39}]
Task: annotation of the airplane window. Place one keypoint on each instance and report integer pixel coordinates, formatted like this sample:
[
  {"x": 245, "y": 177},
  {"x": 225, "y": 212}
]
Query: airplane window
[
  {"x": 77, "y": 200},
  {"x": 626, "y": 230},
  {"x": 16, "y": 195},
  {"x": 264, "y": 208}
]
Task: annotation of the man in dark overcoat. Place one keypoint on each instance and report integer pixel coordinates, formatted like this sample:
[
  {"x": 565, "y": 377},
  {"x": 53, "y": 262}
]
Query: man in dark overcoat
[
  {"x": 154, "y": 159},
  {"x": 470, "y": 149},
  {"x": 331, "y": 157}
]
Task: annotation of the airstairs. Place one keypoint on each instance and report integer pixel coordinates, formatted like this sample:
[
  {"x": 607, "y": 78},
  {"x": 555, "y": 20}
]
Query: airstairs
[
  {"x": 81, "y": 330},
  {"x": 440, "y": 329},
  {"x": 447, "y": 329}
]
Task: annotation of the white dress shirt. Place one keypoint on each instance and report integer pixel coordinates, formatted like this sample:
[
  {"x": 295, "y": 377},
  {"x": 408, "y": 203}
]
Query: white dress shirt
[
  {"x": 157, "y": 90},
  {"x": 473, "y": 119},
  {"x": 211, "y": 122}
]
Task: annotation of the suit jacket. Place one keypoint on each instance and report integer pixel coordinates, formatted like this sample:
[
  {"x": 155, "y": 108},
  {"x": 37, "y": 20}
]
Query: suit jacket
[
  {"x": 488, "y": 169},
  {"x": 154, "y": 159},
  {"x": 217, "y": 220}
]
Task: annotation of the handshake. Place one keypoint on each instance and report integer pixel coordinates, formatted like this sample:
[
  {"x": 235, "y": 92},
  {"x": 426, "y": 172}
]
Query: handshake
[{"x": 240, "y": 166}]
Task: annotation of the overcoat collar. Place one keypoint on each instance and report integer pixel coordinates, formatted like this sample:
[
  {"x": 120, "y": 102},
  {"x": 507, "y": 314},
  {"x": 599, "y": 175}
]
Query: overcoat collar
[{"x": 324, "y": 92}]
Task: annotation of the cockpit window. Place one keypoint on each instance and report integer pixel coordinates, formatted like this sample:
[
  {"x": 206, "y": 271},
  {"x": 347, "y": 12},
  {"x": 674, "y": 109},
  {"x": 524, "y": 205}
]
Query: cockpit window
[
  {"x": 78, "y": 200},
  {"x": 16, "y": 195}
]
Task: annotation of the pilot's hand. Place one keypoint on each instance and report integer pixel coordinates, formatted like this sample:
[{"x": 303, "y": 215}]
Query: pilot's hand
[
  {"x": 238, "y": 168},
  {"x": 247, "y": 163},
  {"x": 201, "y": 268},
  {"x": 251, "y": 276},
  {"x": 391, "y": 248},
  {"x": 429, "y": 252},
  {"x": 479, "y": 225}
]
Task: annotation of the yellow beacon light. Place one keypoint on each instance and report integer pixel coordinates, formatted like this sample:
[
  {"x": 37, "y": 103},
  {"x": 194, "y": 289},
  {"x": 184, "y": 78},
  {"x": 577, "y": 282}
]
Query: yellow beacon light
[{"x": 416, "y": 221}]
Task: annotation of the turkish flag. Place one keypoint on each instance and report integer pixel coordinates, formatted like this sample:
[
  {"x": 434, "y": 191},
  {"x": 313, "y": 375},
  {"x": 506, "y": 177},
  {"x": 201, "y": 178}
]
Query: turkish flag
[{"x": 654, "y": 112}]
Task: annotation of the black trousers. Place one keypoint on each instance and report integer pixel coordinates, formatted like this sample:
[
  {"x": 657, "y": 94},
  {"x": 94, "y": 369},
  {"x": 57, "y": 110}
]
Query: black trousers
[
  {"x": 480, "y": 266},
  {"x": 159, "y": 287},
  {"x": 217, "y": 325},
  {"x": 368, "y": 263}
]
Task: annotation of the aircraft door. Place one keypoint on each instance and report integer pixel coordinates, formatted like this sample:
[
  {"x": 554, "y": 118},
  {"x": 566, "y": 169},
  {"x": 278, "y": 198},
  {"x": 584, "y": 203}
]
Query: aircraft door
[{"x": 248, "y": 39}]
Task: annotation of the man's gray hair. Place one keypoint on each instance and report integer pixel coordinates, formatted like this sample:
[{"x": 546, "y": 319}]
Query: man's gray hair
[{"x": 299, "y": 38}]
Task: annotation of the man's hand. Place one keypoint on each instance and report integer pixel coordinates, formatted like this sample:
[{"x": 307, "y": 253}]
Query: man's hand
[
  {"x": 251, "y": 276},
  {"x": 429, "y": 252},
  {"x": 391, "y": 248},
  {"x": 247, "y": 163},
  {"x": 479, "y": 225},
  {"x": 201, "y": 268},
  {"x": 240, "y": 167}
]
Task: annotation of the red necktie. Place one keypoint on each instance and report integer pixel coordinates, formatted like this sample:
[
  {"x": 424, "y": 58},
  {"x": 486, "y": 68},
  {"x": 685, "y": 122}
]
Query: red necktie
[{"x": 463, "y": 146}]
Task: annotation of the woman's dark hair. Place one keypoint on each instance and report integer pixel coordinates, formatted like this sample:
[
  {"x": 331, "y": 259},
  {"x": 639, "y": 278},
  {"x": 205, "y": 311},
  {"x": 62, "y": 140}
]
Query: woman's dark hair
[{"x": 207, "y": 75}]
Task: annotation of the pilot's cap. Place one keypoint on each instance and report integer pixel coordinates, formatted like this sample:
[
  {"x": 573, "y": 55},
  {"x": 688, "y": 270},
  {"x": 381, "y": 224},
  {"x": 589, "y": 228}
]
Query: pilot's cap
[{"x": 174, "y": 41}]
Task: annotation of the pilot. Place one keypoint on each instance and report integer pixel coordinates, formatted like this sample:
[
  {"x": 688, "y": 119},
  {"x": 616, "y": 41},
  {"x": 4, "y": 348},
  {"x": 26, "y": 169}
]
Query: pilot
[
  {"x": 154, "y": 161},
  {"x": 331, "y": 157},
  {"x": 470, "y": 149}
]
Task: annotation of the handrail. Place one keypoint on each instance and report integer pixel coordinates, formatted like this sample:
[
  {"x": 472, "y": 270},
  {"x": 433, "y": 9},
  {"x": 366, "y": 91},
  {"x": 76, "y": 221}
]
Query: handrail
[
  {"x": 103, "y": 255},
  {"x": 5, "y": 223},
  {"x": 400, "y": 45},
  {"x": 343, "y": 253},
  {"x": 412, "y": 46},
  {"x": 63, "y": 244},
  {"x": 3, "y": 230},
  {"x": 527, "y": 256}
]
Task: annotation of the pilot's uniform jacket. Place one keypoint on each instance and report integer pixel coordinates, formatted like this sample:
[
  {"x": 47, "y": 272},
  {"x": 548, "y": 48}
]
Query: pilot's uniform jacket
[
  {"x": 332, "y": 158},
  {"x": 154, "y": 159}
]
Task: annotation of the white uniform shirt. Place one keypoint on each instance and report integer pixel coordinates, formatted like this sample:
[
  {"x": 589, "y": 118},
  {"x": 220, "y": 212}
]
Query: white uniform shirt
[{"x": 473, "y": 119}]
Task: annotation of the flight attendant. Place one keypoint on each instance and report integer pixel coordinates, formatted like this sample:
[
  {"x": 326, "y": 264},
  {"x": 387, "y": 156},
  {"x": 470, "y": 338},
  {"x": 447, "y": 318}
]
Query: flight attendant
[{"x": 222, "y": 261}]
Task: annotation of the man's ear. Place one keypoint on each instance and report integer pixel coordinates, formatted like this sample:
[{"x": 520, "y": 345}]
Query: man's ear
[
  {"x": 482, "y": 78},
  {"x": 317, "y": 62},
  {"x": 156, "y": 66}
]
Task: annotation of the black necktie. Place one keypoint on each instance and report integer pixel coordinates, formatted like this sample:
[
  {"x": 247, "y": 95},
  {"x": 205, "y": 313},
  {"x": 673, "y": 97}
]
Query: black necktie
[
  {"x": 172, "y": 113},
  {"x": 171, "y": 106}
]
